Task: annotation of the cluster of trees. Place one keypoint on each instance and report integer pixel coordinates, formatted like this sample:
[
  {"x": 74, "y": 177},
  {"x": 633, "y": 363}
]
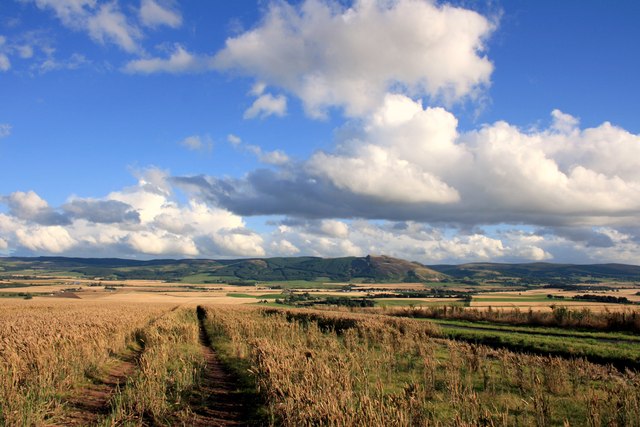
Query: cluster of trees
[
  {"x": 306, "y": 299},
  {"x": 603, "y": 298},
  {"x": 348, "y": 302},
  {"x": 431, "y": 293}
]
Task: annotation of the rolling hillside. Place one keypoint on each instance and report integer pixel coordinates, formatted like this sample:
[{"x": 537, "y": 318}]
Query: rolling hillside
[
  {"x": 369, "y": 268},
  {"x": 373, "y": 268},
  {"x": 540, "y": 270}
]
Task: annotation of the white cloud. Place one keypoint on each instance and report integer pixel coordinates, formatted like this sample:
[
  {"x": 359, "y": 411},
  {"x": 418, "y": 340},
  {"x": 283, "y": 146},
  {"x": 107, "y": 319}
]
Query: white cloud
[
  {"x": 572, "y": 173},
  {"x": 267, "y": 105},
  {"x": 317, "y": 52},
  {"x": 153, "y": 14},
  {"x": 476, "y": 247},
  {"x": 197, "y": 143},
  {"x": 179, "y": 61},
  {"x": 234, "y": 139},
  {"x": 334, "y": 228},
  {"x": 104, "y": 22},
  {"x": 142, "y": 219},
  {"x": 375, "y": 172},
  {"x": 53, "y": 239},
  {"x": 159, "y": 243},
  {"x": 5, "y": 130},
  {"x": 624, "y": 248},
  {"x": 258, "y": 89},
  {"x": 74, "y": 62},
  {"x": 239, "y": 243},
  {"x": 407, "y": 240},
  {"x": 70, "y": 12},
  {"x": 26, "y": 204},
  {"x": 276, "y": 157},
  {"x": 25, "y": 51},
  {"x": 410, "y": 162},
  {"x": 29, "y": 206},
  {"x": 564, "y": 123},
  {"x": 5, "y": 64},
  {"x": 192, "y": 142},
  {"x": 109, "y": 24},
  {"x": 402, "y": 155},
  {"x": 283, "y": 247},
  {"x": 169, "y": 228},
  {"x": 8, "y": 224}
]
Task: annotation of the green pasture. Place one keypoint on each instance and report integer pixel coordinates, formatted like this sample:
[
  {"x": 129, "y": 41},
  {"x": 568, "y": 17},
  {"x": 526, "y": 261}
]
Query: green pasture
[
  {"x": 384, "y": 302},
  {"x": 261, "y": 296},
  {"x": 608, "y": 348}
]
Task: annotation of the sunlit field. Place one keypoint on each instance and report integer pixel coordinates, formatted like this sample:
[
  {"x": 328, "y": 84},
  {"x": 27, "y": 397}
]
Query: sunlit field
[
  {"x": 336, "y": 366},
  {"x": 326, "y": 368}
]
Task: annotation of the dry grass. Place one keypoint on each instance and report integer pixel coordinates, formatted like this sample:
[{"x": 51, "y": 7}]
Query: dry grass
[
  {"x": 543, "y": 306},
  {"x": 47, "y": 347},
  {"x": 189, "y": 298},
  {"x": 169, "y": 369},
  {"x": 341, "y": 369}
]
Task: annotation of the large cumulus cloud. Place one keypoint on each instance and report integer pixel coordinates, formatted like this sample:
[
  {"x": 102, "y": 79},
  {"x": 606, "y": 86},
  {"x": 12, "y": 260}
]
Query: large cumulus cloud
[
  {"x": 401, "y": 179},
  {"x": 410, "y": 163},
  {"x": 145, "y": 218},
  {"x": 330, "y": 55}
]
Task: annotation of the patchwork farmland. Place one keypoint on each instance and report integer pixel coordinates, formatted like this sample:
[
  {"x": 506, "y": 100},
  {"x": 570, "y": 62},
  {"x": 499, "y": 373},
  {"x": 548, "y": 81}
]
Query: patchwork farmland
[{"x": 80, "y": 350}]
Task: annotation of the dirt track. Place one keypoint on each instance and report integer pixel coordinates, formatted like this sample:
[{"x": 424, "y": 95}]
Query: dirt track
[
  {"x": 219, "y": 401},
  {"x": 94, "y": 401}
]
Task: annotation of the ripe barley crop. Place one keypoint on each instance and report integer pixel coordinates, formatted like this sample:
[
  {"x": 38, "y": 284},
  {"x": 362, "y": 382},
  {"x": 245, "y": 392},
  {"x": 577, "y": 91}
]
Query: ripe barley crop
[
  {"x": 46, "y": 347},
  {"x": 342, "y": 369}
]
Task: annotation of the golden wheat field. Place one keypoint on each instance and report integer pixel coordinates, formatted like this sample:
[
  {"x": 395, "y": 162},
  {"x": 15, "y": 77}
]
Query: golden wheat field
[
  {"x": 342, "y": 369},
  {"x": 47, "y": 347},
  {"x": 299, "y": 367}
]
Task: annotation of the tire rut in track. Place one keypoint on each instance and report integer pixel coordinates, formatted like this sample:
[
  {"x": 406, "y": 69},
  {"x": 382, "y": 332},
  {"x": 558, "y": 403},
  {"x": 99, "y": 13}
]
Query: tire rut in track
[
  {"x": 220, "y": 400},
  {"x": 93, "y": 402}
]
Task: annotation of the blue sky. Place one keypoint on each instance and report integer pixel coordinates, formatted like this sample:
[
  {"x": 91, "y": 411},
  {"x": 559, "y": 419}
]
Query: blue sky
[{"x": 433, "y": 131}]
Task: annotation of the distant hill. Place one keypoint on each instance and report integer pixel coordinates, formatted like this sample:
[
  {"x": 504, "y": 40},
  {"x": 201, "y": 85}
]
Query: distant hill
[
  {"x": 540, "y": 270},
  {"x": 369, "y": 268},
  {"x": 373, "y": 268}
]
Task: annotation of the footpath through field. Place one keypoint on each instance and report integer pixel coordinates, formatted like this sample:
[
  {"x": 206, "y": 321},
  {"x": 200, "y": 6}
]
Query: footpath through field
[
  {"x": 219, "y": 400},
  {"x": 94, "y": 401}
]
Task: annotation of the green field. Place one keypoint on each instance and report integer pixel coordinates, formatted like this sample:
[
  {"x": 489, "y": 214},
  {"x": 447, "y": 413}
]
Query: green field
[
  {"x": 620, "y": 349},
  {"x": 199, "y": 279},
  {"x": 14, "y": 285},
  {"x": 538, "y": 330},
  {"x": 523, "y": 298},
  {"x": 384, "y": 302},
  {"x": 303, "y": 284},
  {"x": 16, "y": 294},
  {"x": 261, "y": 296}
]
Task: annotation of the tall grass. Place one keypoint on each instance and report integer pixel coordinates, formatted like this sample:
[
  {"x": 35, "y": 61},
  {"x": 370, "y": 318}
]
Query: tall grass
[
  {"x": 47, "y": 347},
  {"x": 340, "y": 369},
  {"x": 169, "y": 370}
]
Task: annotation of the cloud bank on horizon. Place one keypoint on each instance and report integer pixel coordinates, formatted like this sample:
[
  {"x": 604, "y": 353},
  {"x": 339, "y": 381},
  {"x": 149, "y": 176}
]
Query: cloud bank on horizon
[{"x": 400, "y": 177}]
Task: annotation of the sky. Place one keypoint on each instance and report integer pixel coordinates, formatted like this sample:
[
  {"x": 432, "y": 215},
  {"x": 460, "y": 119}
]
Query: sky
[{"x": 439, "y": 132}]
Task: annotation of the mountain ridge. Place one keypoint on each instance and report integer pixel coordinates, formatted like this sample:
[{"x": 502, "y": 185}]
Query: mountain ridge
[{"x": 375, "y": 268}]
